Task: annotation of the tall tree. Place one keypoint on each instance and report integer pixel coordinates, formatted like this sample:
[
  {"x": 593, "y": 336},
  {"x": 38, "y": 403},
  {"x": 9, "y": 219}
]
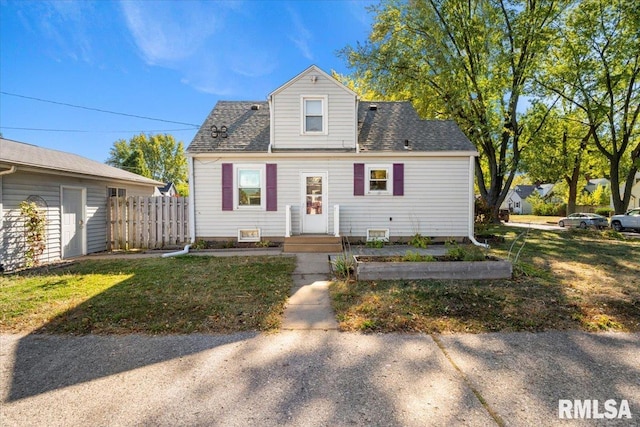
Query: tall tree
[
  {"x": 158, "y": 157},
  {"x": 466, "y": 60},
  {"x": 596, "y": 66},
  {"x": 563, "y": 150}
]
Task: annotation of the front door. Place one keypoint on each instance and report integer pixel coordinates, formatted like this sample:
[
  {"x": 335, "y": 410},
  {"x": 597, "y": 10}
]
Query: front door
[
  {"x": 72, "y": 222},
  {"x": 314, "y": 203}
]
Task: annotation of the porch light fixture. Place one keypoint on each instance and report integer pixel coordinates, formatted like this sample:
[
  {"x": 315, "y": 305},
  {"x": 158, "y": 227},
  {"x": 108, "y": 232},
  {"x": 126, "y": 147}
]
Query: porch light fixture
[{"x": 406, "y": 144}]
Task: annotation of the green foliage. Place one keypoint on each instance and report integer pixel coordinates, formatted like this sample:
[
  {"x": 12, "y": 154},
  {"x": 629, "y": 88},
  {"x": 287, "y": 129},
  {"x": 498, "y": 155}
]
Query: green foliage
[
  {"x": 343, "y": 266},
  {"x": 542, "y": 207},
  {"x": 157, "y": 157},
  {"x": 375, "y": 243},
  {"x": 604, "y": 211},
  {"x": 612, "y": 234},
  {"x": 263, "y": 244},
  {"x": 595, "y": 67},
  {"x": 465, "y": 61},
  {"x": 550, "y": 209},
  {"x": 420, "y": 241},
  {"x": 35, "y": 221},
  {"x": 411, "y": 256},
  {"x": 457, "y": 252},
  {"x": 601, "y": 195},
  {"x": 199, "y": 244}
]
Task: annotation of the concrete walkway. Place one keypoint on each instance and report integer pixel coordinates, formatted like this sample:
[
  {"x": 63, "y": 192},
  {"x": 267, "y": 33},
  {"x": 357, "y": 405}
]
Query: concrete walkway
[{"x": 309, "y": 307}]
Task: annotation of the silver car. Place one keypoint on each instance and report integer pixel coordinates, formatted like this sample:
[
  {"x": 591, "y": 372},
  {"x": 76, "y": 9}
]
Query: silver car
[{"x": 584, "y": 220}]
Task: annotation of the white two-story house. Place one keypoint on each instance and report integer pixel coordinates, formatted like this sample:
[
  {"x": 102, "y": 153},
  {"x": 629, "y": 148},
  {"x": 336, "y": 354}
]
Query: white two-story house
[{"x": 314, "y": 159}]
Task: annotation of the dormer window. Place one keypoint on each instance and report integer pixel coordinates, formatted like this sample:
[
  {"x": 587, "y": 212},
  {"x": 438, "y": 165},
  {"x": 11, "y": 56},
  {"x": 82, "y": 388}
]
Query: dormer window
[{"x": 314, "y": 115}]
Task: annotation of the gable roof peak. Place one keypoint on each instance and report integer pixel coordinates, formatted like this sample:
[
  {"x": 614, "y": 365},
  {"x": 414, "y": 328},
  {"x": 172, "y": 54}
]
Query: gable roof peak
[{"x": 316, "y": 73}]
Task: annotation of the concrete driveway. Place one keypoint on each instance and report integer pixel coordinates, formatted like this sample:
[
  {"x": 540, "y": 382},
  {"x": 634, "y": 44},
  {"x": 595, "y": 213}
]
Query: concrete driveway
[{"x": 314, "y": 378}]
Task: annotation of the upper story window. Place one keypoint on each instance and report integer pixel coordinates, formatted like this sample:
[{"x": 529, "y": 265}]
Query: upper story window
[{"x": 314, "y": 115}]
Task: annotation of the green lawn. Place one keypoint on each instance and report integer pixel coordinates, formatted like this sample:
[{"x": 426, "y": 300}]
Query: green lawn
[
  {"x": 578, "y": 279},
  {"x": 152, "y": 295}
]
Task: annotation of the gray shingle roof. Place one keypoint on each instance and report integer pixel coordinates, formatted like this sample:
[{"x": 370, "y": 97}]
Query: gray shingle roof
[
  {"x": 247, "y": 129},
  {"x": 384, "y": 129},
  {"x": 21, "y": 154},
  {"x": 392, "y": 123},
  {"x": 524, "y": 191}
]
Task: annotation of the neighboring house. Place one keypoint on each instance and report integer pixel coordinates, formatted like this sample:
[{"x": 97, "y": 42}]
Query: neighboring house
[
  {"x": 73, "y": 192},
  {"x": 314, "y": 159},
  {"x": 516, "y": 199},
  {"x": 594, "y": 183},
  {"x": 168, "y": 190},
  {"x": 634, "y": 201}
]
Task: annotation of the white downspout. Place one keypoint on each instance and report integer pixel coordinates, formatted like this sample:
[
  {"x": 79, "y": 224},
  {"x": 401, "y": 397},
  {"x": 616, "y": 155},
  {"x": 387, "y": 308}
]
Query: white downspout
[
  {"x": 472, "y": 206},
  {"x": 9, "y": 171},
  {"x": 182, "y": 252},
  {"x": 192, "y": 207}
]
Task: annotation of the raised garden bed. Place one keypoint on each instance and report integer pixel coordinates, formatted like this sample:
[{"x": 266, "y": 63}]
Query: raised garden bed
[{"x": 388, "y": 268}]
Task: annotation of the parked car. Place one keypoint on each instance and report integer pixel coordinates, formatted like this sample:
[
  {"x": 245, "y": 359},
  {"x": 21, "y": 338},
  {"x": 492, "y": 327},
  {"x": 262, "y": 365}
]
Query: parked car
[
  {"x": 504, "y": 215},
  {"x": 584, "y": 220},
  {"x": 631, "y": 220}
]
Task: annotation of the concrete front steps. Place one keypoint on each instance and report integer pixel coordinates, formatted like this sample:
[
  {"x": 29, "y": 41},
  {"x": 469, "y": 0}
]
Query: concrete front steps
[{"x": 312, "y": 244}]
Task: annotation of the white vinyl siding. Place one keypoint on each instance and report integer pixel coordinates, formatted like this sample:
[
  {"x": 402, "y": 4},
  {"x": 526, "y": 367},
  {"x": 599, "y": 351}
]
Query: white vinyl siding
[
  {"x": 339, "y": 108},
  {"x": 18, "y": 186},
  {"x": 435, "y": 202}
]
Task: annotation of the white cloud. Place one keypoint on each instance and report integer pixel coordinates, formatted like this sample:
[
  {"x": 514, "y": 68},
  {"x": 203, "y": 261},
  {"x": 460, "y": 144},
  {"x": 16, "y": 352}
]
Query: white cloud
[
  {"x": 166, "y": 32},
  {"x": 68, "y": 24},
  {"x": 214, "y": 45},
  {"x": 301, "y": 36}
]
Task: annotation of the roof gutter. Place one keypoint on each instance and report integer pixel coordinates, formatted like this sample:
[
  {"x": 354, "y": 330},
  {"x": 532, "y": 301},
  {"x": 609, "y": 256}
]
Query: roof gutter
[
  {"x": 472, "y": 206},
  {"x": 9, "y": 171}
]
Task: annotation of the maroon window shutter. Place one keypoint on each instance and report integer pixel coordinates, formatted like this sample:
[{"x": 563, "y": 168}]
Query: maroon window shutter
[
  {"x": 272, "y": 187},
  {"x": 398, "y": 179},
  {"x": 227, "y": 187},
  {"x": 358, "y": 179}
]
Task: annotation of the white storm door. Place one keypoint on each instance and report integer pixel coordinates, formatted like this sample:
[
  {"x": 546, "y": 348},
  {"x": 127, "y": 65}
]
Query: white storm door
[
  {"x": 72, "y": 222},
  {"x": 314, "y": 202}
]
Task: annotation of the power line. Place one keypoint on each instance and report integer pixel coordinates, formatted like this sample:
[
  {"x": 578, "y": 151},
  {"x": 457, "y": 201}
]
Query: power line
[
  {"x": 96, "y": 131},
  {"x": 97, "y": 109}
]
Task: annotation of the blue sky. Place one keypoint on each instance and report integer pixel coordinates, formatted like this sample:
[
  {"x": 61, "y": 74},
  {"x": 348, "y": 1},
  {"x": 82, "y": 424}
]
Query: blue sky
[{"x": 171, "y": 60}]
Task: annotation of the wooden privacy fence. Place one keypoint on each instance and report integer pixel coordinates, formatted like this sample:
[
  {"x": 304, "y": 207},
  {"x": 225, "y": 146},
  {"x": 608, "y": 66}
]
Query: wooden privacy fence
[{"x": 147, "y": 222}]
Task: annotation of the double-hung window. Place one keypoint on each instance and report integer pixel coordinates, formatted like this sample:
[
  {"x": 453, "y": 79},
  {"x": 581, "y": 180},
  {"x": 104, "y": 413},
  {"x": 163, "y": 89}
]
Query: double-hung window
[
  {"x": 249, "y": 186},
  {"x": 314, "y": 115},
  {"x": 379, "y": 180}
]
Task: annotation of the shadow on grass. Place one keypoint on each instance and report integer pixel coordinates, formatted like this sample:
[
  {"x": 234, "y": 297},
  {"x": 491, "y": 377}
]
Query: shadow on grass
[{"x": 201, "y": 295}]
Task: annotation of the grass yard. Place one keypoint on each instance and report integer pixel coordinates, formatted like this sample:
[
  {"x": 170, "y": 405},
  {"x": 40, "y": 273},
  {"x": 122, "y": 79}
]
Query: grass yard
[
  {"x": 151, "y": 295},
  {"x": 577, "y": 279}
]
